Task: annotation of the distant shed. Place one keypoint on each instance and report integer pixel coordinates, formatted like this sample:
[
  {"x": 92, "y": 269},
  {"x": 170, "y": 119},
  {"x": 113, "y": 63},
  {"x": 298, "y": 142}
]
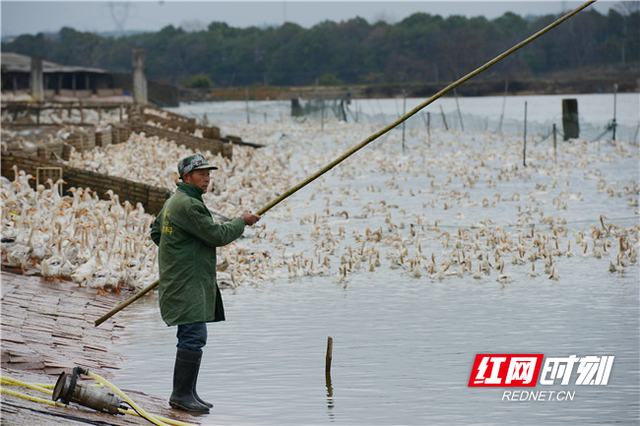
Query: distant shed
[
  {"x": 78, "y": 82},
  {"x": 59, "y": 79}
]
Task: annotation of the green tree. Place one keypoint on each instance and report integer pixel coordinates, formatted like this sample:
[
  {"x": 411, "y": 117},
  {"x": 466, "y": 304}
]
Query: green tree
[
  {"x": 329, "y": 80},
  {"x": 420, "y": 48},
  {"x": 198, "y": 81}
]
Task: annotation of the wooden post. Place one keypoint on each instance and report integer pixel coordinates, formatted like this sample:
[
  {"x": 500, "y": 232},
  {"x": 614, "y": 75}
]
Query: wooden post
[
  {"x": 246, "y": 96},
  {"x": 444, "y": 120},
  {"x": 555, "y": 145},
  {"x": 404, "y": 112},
  {"x": 524, "y": 150},
  {"x": 570, "y": 119},
  {"x": 327, "y": 368},
  {"x": 322, "y": 112},
  {"x": 615, "y": 93},
  {"x": 455, "y": 94},
  {"x": 327, "y": 365},
  {"x": 504, "y": 102},
  {"x": 427, "y": 122}
]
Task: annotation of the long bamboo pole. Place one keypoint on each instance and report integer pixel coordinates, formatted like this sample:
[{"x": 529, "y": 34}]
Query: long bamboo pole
[
  {"x": 371, "y": 138},
  {"x": 126, "y": 303}
]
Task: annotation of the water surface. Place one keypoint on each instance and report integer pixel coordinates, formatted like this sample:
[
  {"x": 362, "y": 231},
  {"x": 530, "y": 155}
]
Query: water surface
[{"x": 403, "y": 345}]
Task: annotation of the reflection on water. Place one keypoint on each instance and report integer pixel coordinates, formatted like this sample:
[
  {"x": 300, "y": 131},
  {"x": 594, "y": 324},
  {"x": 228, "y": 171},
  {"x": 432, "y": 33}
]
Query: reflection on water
[
  {"x": 327, "y": 376},
  {"x": 405, "y": 345}
]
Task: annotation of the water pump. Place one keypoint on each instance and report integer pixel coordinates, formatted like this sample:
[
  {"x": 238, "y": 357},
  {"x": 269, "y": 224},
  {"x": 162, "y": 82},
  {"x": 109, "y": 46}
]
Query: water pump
[{"x": 68, "y": 389}]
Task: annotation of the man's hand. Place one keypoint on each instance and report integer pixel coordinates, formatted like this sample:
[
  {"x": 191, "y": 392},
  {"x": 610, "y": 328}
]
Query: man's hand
[{"x": 249, "y": 218}]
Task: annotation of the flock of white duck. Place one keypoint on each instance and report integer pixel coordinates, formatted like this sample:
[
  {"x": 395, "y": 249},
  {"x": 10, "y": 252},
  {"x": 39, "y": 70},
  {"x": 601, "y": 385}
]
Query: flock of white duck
[
  {"x": 453, "y": 205},
  {"x": 62, "y": 116},
  {"x": 96, "y": 243}
]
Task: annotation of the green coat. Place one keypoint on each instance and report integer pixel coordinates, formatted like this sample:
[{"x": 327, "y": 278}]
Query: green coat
[{"x": 187, "y": 238}]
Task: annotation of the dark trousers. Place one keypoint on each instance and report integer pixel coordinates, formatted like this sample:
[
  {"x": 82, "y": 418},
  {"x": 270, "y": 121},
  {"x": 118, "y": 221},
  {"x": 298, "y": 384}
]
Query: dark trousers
[{"x": 192, "y": 337}]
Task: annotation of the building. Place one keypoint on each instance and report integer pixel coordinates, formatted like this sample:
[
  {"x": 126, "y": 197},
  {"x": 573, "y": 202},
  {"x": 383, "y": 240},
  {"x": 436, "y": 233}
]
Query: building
[
  {"x": 76, "y": 82},
  {"x": 66, "y": 80}
]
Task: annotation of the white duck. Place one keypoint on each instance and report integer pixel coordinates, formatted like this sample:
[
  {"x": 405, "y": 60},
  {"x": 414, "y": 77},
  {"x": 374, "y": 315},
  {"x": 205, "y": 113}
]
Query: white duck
[
  {"x": 50, "y": 266},
  {"x": 18, "y": 253}
]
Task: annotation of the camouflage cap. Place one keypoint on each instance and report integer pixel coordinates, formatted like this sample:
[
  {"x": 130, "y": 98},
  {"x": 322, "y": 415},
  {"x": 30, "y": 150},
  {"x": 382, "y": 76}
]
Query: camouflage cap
[{"x": 193, "y": 162}]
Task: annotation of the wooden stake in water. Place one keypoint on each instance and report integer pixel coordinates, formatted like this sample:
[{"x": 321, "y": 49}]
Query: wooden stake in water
[
  {"x": 524, "y": 149},
  {"x": 246, "y": 96},
  {"x": 404, "y": 112},
  {"x": 555, "y": 145},
  {"x": 327, "y": 370},
  {"x": 429, "y": 128},
  {"x": 444, "y": 119},
  {"x": 427, "y": 122},
  {"x": 327, "y": 365},
  {"x": 615, "y": 93},
  {"x": 504, "y": 102},
  {"x": 455, "y": 95},
  {"x": 322, "y": 112}
]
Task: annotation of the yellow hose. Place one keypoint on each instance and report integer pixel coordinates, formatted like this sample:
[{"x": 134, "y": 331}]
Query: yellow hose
[
  {"x": 10, "y": 381},
  {"x": 137, "y": 410},
  {"x": 32, "y": 398},
  {"x": 135, "y": 406},
  {"x": 164, "y": 419},
  {"x": 157, "y": 420}
]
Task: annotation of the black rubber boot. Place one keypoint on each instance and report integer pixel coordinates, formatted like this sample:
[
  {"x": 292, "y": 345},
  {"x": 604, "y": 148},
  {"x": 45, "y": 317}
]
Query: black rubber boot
[
  {"x": 185, "y": 374},
  {"x": 195, "y": 393}
]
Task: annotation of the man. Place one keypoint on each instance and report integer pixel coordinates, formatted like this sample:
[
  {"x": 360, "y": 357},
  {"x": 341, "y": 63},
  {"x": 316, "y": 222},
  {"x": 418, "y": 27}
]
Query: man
[{"x": 189, "y": 296}]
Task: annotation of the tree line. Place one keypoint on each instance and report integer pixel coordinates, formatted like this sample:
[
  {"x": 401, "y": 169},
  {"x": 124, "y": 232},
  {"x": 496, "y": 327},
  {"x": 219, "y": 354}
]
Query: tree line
[{"x": 420, "y": 48}]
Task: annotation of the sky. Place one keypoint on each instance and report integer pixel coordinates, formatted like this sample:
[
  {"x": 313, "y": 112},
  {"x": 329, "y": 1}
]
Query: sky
[{"x": 32, "y": 17}]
